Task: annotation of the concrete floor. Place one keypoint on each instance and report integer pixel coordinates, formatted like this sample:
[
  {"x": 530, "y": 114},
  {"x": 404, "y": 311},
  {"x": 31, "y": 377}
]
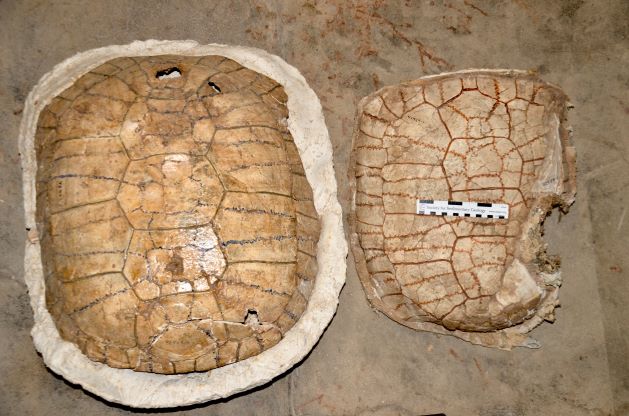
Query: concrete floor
[{"x": 365, "y": 364}]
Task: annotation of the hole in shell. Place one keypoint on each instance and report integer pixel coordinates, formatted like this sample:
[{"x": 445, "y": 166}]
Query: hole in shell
[
  {"x": 168, "y": 73},
  {"x": 214, "y": 86},
  {"x": 251, "y": 318}
]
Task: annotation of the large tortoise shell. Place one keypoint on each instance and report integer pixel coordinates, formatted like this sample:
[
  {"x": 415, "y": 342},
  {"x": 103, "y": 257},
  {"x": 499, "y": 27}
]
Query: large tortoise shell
[{"x": 177, "y": 226}]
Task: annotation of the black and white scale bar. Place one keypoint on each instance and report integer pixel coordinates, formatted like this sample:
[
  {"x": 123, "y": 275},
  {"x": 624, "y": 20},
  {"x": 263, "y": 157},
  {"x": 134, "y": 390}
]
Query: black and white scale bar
[{"x": 463, "y": 209}]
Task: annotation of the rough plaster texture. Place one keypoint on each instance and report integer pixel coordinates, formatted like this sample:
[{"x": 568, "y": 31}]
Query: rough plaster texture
[
  {"x": 307, "y": 126},
  {"x": 474, "y": 135},
  {"x": 346, "y": 51}
]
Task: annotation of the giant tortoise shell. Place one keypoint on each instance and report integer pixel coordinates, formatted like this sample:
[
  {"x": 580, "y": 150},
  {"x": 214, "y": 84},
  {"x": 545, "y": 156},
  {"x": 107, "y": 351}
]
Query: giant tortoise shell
[
  {"x": 178, "y": 231},
  {"x": 477, "y": 136}
]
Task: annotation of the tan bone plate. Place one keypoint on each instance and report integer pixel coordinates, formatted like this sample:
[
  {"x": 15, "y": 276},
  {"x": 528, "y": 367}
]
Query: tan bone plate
[
  {"x": 430, "y": 158},
  {"x": 182, "y": 249}
]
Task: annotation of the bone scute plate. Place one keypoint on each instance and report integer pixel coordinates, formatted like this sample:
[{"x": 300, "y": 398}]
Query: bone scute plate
[
  {"x": 471, "y": 136},
  {"x": 178, "y": 231},
  {"x": 185, "y": 241}
]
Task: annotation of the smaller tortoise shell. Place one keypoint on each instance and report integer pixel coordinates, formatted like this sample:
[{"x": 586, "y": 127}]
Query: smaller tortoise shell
[
  {"x": 485, "y": 136},
  {"x": 178, "y": 231}
]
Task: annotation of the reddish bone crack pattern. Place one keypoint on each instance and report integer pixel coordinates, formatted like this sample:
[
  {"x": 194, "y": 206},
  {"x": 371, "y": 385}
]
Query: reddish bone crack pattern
[
  {"x": 178, "y": 231},
  {"x": 475, "y": 136}
]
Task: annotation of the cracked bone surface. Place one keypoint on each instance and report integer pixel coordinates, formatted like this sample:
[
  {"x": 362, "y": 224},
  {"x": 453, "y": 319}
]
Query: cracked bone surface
[
  {"x": 482, "y": 136},
  {"x": 178, "y": 230}
]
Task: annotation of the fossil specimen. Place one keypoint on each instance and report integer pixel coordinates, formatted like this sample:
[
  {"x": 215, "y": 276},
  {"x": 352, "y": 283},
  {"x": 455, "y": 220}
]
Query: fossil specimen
[
  {"x": 478, "y": 136},
  {"x": 178, "y": 230},
  {"x": 142, "y": 155}
]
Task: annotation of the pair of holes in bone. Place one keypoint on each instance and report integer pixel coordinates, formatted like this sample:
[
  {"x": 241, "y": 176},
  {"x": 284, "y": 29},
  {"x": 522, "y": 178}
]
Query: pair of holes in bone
[{"x": 174, "y": 72}]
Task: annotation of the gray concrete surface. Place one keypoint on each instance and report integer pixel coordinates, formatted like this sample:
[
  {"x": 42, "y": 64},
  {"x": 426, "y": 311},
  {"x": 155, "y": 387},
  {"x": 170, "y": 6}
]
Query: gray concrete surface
[{"x": 366, "y": 364}]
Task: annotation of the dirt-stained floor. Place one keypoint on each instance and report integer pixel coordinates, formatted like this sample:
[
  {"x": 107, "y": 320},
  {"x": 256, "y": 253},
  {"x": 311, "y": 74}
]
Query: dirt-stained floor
[{"x": 365, "y": 364}]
